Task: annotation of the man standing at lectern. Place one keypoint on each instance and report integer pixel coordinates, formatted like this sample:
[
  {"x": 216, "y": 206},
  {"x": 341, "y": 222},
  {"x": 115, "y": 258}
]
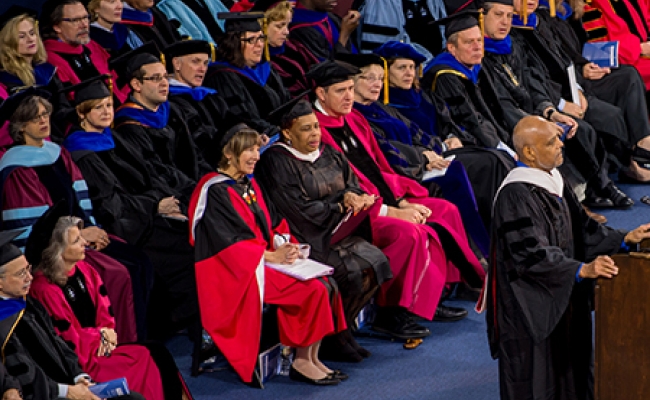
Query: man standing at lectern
[{"x": 547, "y": 253}]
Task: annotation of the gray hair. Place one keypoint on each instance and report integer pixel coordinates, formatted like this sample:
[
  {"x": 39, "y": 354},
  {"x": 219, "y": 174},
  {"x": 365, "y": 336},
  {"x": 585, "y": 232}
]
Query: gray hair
[{"x": 51, "y": 264}]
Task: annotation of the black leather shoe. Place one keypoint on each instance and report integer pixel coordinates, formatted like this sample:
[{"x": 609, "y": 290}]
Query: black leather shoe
[
  {"x": 597, "y": 202},
  {"x": 398, "y": 323},
  {"x": 642, "y": 157},
  {"x": 449, "y": 314},
  {"x": 338, "y": 374},
  {"x": 295, "y": 375},
  {"x": 618, "y": 198}
]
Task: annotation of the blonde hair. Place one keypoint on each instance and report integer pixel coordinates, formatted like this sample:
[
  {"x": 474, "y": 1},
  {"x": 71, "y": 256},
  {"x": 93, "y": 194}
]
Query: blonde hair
[
  {"x": 10, "y": 60},
  {"x": 577, "y": 5},
  {"x": 92, "y": 8},
  {"x": 279, "y": 11},
  {"x": 51, "y": 264},
  {"x": 244, "y": 139}
]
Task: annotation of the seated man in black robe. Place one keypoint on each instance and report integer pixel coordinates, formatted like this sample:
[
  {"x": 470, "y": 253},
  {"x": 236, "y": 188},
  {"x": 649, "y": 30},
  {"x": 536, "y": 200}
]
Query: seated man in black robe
[
  {"x": 41, "y": 361},
  {"x": 547, "y": 253},
  {"x": 455, "y": 76},
  {"x": 148, "y": 122},
  {"x": 203, "y": 109}
]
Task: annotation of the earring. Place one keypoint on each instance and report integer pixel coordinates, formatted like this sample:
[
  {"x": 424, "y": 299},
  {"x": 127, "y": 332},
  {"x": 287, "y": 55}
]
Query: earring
[{"x": 289, "y": 143}]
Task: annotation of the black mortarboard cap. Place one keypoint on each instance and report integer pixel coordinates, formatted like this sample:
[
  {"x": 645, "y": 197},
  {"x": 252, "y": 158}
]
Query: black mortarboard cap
[
  {"x": 186, "y": 47},
  {"x": 264, "y": 5},
  {"x": 129, "y": 63},
  {"x": 11, "y": 103},
  {"x": 360, "y": 60},
  {"x": 91, "y": 89},
  {"x": 42, "y": 230},
  {"x": 14, "y": 11},
  {"x": 294, "y": 108},
  {"x": 330, "y": 72},
  {"x": 504, "y": 2},
  {"x": 8, "y": 250},
  {"x": 459, "y": 22},
  {"x": 241, "y": 21}
]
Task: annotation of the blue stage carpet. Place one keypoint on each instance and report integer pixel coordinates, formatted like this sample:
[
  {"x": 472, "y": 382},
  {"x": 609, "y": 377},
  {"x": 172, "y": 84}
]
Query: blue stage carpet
[{"x": 453, "y": 363}]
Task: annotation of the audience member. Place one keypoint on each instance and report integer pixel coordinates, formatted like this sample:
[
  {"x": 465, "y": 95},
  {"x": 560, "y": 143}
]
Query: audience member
[
  {"x": 547, "y": 254},
  {"x": 23, "y": 63},
  {"x": 203, "y": 109},
  {"x": 321, "y": 31},
  {"x": 129, "y": 202},
  {"x": 313, "y": 187},
  {"x": 33, "y": 353},
  {"x": 149, "y": 23},
  {"x": 234, "y": 234},
  {"x": 37, "y": 173},
  {"x": 434, "y": 223},
  {"x": 64, "y": 26},
  {"x": 289, "y": 58},
  {"x": 250, "y": 87},
  {"x": 75, "y": 297},
  {"x": 148, "y": 122},
  {"x": 107, "y": 30}
]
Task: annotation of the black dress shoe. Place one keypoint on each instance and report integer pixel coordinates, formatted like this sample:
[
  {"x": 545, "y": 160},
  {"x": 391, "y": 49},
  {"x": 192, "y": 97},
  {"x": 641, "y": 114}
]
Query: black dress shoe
[
  {"x": 398, "y": 322},
  {"x": 338, "y": 374},
  {"x": 618, "y": 198},
  {"x": 594, "y": 201},
  {"x": 642, "y": 157},
  {"x": 449, "y": 314},
  {"x": 297, "y": 376}
]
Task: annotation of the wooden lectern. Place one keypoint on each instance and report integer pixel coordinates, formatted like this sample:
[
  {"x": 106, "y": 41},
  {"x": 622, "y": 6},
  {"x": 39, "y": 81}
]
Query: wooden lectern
[{"x": 622, "y": 350}]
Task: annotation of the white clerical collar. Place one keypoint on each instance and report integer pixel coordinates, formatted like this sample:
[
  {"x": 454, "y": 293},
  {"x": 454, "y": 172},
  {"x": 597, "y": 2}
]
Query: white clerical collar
[
  {"x": 174, "y": 82},
  {"x": 310, "y": 157},
  {"x": 319, "y": 107},
  {"x": 550, "y": 181}
]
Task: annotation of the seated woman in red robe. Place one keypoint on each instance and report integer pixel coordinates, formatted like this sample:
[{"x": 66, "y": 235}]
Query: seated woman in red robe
[
  {"x": 75, "y": 297},
  {"x": 234, "y": 235}
]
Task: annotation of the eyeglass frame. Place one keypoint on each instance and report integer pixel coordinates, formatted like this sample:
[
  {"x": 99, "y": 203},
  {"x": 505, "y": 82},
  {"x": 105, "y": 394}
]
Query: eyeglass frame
[
  {"x": 22, "y": 273},
  {"x": 253, "y": 40},
  {"x": 371, "y": 80},
  {"x": 155, "y": 78},
  {"x": 77, "y": 20},
  {"x": 38, "y": 118}
]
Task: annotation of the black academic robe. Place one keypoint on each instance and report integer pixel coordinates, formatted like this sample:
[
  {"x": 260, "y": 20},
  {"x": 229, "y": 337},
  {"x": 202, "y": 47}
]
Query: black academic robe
[
  {"x": 37, "y": 356},
  {"x": 246, "y": 99},
  {"x": 539, "y": 317},
  {"x": 467, "y": 105},
  {"x": 203, "y": 119},
  {"x": 7, "y": 381},
  {"x": 163, "y": 32},
  {"x": 316, "y": 42}
]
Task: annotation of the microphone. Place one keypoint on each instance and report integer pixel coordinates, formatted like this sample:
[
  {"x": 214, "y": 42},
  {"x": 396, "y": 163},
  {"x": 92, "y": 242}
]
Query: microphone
[{"x": 645, "y": 200}]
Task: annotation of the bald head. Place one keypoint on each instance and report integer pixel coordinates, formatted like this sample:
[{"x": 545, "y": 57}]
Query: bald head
[{"x": 537, "y": 143}]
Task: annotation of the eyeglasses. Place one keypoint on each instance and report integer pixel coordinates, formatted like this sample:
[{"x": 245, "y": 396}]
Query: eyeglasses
[
  {"x": 254, "y": 39},
  {"x": 22, "y": 274},
  {"x": 156, "y": 78},
  {"x": 77, "y": 21},
  {"x": 371, "y": 79},
  {"x": 44, "y": 115}
]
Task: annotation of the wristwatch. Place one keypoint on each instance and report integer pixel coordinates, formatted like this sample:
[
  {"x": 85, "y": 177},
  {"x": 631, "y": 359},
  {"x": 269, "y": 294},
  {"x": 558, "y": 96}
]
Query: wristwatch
[{"x": 549, "y": 113}]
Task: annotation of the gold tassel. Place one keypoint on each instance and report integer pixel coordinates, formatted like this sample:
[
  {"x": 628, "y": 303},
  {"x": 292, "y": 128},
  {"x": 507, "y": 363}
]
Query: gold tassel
[
  {"x": 109, "y": 83},
  {"x": 213, "y": 53},
  {"x": 551, "y": 6},
  {"x": 162, "y": 59},
  {"x": 267, "y": 53},
  {"x": 385, "y": 80},
  {"x": 481, "y": 25},
  {"x": 524, "y": 10},
  {"x": 420, "y": 71}
]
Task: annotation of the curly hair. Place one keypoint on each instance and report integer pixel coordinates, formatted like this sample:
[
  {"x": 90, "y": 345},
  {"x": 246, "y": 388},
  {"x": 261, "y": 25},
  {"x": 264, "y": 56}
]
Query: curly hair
[
  {"x": 52, "y": 265},
  {"x": 242, "y": 140},
  {"x": 10, "y": 60},
  {"x": 25, "y": 112}
]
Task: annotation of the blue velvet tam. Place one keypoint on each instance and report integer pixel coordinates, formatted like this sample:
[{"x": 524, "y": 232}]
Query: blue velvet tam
[{"x": 394, "y": 49}]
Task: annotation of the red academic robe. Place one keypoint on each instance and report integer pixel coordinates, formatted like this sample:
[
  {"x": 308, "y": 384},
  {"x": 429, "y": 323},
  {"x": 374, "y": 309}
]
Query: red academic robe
[
  {"x": 408, "y": 291},
  {"x": 130, "y": 360},
  {"x": 233, "y": 282},
  {"x": 607, "y": 20},
  {"x": 98, "y": 55}
]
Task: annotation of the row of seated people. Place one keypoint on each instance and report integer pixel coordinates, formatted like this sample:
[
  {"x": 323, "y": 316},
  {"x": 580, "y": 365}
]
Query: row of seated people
[{"x": 145, "y": 139}]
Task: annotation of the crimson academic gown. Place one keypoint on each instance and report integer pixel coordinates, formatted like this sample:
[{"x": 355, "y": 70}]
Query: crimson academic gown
[
  {"x": 417, "y": 284},
  {"x": 230, "y": 233}
]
